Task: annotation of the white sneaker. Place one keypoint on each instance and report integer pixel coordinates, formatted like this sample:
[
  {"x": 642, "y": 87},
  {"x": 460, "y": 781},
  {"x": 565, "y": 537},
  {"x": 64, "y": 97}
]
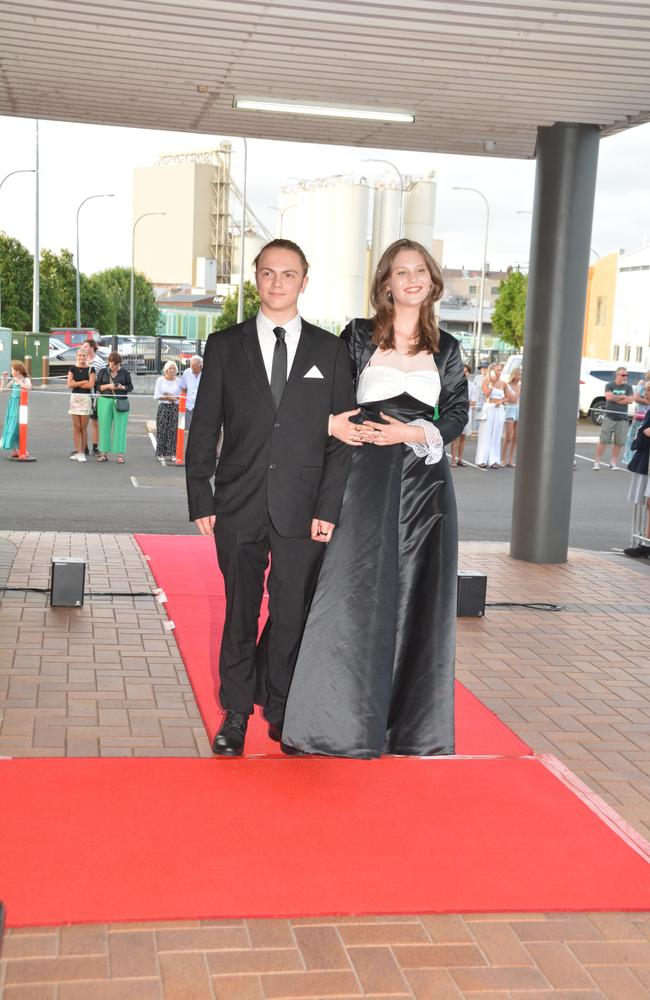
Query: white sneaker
[
  {"x": 81, "y": 457},
  {"x": 615, "y": 468},
  {"x": 596, "y": 466},
  {"x": 74, "y": 456}
]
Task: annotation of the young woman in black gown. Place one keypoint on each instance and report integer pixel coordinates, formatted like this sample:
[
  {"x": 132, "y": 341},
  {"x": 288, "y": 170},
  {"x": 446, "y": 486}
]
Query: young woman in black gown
[{"x": 375, "y": 671}]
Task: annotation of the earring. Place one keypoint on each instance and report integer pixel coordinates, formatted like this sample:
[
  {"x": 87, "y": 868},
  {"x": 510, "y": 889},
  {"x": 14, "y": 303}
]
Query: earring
[{"x": 389, "y": 295}]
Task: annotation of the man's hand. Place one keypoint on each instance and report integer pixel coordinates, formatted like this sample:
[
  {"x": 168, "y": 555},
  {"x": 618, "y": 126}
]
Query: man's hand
[
  {"x": 321, "y": 531},
  {"x": 205, "y": 524},
  {"x": 341, "y": 428}
]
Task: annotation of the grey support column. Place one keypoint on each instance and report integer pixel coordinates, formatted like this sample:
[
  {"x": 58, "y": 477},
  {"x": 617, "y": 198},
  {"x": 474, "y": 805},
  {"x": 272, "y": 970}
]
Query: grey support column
[{"x": 567, "y": 158}]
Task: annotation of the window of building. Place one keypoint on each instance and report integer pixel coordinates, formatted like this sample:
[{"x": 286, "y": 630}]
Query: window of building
[
  {"x": 616, "y": 353},
  {"x": 472, "y": 289},
  {"x": 601, "y": 310},
  {"x": 628, "y": 351},
  {"x": 639, "y": 355},
  {"x": 494, "y": 290}
]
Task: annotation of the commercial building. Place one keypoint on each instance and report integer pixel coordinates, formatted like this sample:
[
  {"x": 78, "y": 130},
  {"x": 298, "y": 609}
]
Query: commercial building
[{"x": 631, "y": 314}]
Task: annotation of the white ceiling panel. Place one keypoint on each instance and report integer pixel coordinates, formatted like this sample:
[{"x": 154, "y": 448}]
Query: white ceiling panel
[{"x": 469, "y": 71}]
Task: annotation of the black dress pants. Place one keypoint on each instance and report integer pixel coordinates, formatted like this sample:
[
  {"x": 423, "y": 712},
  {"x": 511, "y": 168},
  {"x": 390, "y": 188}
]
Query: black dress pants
[{"x": 243, "y": 555}]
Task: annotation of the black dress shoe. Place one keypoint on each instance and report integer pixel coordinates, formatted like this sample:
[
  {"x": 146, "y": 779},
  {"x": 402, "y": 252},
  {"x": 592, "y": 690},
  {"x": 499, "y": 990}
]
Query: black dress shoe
[
  {"x": 275, "y": 732},
  {"x": 291, "y": 751},
  {"x": 229, "y": 741},
  {"x": 637, "y": 551}
]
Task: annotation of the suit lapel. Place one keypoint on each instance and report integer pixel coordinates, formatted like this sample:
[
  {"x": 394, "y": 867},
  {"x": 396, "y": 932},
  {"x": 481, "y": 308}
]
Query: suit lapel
[{"x": 252, "y": 350}]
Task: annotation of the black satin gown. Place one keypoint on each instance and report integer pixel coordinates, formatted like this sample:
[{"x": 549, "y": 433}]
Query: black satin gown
[{"x": 375, "y": 671}]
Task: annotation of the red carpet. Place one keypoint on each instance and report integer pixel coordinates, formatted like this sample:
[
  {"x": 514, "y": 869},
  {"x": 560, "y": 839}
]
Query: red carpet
[
  {"x": 159, "y": 839},
  {"x": 185, "y": 567}
]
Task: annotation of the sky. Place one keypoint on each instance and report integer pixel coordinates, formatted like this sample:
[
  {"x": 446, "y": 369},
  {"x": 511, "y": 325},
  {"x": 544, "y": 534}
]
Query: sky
[{"x": 79, "y": 160}]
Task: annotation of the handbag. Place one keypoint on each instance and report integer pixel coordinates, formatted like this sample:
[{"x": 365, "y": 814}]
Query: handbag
[{"x": 122, "y": 404}]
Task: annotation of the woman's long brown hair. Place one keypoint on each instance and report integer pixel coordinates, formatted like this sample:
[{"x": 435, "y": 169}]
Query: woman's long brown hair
[{"x": 428, "y": 334}]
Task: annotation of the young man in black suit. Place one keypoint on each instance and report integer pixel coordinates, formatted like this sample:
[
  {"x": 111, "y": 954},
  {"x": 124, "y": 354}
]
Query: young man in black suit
[{"x": 272, "y": 383}]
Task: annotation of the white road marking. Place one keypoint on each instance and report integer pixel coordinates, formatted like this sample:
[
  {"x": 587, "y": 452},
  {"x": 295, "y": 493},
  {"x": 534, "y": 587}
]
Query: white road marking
[{"x": 137, "y": 485}]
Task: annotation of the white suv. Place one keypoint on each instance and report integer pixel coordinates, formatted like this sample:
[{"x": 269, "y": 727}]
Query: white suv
[{"x": 594, "y": 375}]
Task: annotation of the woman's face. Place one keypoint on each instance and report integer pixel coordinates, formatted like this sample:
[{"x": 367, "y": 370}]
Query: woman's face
[
  {"x": 409, "y": 281},
  {"x": 498, "y": 369},
  {"x": 82, "y": 359},
  {"x": 171, "y": 373}
]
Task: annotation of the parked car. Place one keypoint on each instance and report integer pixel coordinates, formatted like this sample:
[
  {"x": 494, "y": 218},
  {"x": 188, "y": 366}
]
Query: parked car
[
  {"x": 514, "y": 361},
  {"x": 73, "y": 336},
  {"x": 130, "y": 348},
  {"x": 594, "y": 374},
  {"x": 62, "y": 357}
]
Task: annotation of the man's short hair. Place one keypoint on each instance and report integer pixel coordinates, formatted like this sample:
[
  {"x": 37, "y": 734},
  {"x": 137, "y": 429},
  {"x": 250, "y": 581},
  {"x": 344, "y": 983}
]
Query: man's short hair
[
  {"x": 621, "y": 368},
  {"x": 281, "y": 244},
  {"x": 196, "y": 357}
]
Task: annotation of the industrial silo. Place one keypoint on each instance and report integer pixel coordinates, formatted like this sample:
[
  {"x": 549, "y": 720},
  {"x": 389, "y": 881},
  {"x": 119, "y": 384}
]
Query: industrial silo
[{"x": 420, "y": 210}]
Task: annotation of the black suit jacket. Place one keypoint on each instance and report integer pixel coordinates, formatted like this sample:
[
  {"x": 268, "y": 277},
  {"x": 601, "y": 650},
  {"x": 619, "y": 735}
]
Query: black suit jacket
[{"x": 283, "y": 463}]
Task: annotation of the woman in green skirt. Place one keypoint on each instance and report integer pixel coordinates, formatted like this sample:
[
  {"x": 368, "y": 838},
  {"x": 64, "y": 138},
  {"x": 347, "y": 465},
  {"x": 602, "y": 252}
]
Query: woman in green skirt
[{"x": 113, "y": 384}]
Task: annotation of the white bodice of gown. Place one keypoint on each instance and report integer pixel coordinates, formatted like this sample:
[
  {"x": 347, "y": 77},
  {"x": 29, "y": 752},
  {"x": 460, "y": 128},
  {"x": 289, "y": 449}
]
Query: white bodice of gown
[{"x": 383, "y": 382}]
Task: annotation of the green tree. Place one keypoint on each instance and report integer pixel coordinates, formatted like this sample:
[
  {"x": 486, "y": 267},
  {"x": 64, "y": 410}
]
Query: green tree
[
  {"x": 116, "y": 284},
  {"x": 508, "y": 318},
  {"x": 57, "y": 289},
  {"x": 251, "y": 306},
  {"x": 16, "y": 277},
  {"x": 97, "y": 308}
]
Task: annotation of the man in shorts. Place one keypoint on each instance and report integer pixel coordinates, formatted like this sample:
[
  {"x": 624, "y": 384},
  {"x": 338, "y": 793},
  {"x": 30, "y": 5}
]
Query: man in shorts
[{"x": 613, "y": 430}]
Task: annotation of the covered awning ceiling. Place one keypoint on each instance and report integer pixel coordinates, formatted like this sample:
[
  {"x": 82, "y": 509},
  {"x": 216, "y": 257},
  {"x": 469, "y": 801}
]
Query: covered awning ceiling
[{"x": 472, "y": 71}]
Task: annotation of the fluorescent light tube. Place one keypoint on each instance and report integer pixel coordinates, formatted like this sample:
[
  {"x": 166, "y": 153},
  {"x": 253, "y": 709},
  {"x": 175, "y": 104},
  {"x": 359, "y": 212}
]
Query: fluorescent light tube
[{"x": 321, "y": 110}]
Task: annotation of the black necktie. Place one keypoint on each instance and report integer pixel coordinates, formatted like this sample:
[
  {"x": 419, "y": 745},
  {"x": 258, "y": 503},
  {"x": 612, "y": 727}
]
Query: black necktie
[{"x": 279, "y": 366}]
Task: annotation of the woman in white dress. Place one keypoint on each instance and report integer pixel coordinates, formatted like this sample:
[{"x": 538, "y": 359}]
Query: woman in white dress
[{"x": 495, "y": 391}]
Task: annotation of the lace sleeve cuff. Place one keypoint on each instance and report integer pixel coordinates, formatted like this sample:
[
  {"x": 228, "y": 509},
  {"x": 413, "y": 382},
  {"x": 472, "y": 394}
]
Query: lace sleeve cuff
[{"x": 433, "y": 450}]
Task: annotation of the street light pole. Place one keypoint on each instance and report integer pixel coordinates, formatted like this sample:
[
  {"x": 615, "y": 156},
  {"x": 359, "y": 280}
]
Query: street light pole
[
  {"x": 36, "y": 296},
  {"x": 6, "y": 178},
  {"x": 390, "y": 163},
  {"x": 479, "y": 328},
  {"x": 144, "y": 215},
  {"x": 78, "y": 289},
  {"x": 242, "y": 241},
  {"x": 286, "y": 208}
]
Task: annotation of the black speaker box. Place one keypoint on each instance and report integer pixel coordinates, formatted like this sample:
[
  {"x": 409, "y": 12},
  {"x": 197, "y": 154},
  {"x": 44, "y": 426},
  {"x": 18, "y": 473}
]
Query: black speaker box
[
  {"x": 67, "y": 580},
  {"x": 471, "y": 595}
]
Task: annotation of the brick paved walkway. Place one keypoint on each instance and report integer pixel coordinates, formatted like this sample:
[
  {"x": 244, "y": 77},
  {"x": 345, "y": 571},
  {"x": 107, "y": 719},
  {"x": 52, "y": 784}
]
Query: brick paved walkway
[{"x": 107, "y": 680}]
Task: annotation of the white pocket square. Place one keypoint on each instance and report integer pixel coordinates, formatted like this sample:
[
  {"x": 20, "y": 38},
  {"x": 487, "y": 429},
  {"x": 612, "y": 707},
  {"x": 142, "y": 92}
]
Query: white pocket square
[{"x": 314, "y": 373}]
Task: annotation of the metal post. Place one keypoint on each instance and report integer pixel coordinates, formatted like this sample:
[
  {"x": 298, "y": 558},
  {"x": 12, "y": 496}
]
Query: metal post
[
  {"x": 6, "y": 178},
  {"x": 567, "y": 158},
  {"x": 240, "y": 300},
  {"x": 132, "y": 290},
  {"x": 36, "y": 297},
  {"x": 78, "y": 287},
  {"x": 479, "y": 326}
]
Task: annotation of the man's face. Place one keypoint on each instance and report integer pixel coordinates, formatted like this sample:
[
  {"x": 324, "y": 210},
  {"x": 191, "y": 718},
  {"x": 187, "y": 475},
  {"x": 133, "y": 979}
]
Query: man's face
[
  {"x": 280, "y": 280},
  {"x": 196, "y": 366},
  {"x": 621, "y": 377}
]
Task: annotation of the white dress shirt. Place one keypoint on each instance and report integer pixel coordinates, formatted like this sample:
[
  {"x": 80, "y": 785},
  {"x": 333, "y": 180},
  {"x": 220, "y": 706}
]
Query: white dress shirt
[
  {"x": 268, "y": 339},
  {"x": 190, "y": 382}
]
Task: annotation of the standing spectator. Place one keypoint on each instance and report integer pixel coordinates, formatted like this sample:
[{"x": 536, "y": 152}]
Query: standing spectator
[
  {"x": 458, "y": 446},
  {"x": 167, "y": 391},
  {"x": 478, "y": 380},
  {"x": 511, "y": 419},
  {"x": 81, "y": 380},
  {"x": 190, "y": 383},
  {"x": 639, "y": 492},
  {"x": 18, "y": 380},
  {"x": 114, "y": 382},
  {"x": 613, "y": 430},
  {"x": 97, "y": 363},
  {"x": 642, "y": 400},
  {"x": 494, "y": 389}
]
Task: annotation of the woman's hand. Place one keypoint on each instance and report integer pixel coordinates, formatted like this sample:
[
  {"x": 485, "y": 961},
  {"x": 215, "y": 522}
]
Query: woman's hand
[
  {"x": 394, "y": 432},
  {"x": 341, "y": 428}
]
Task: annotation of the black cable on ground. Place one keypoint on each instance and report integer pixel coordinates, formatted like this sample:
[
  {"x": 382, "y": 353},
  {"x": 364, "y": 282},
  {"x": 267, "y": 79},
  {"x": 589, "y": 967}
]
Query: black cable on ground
[
  {"x": 92, "y": 593},
  {"x": 535, "y": 605}
]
